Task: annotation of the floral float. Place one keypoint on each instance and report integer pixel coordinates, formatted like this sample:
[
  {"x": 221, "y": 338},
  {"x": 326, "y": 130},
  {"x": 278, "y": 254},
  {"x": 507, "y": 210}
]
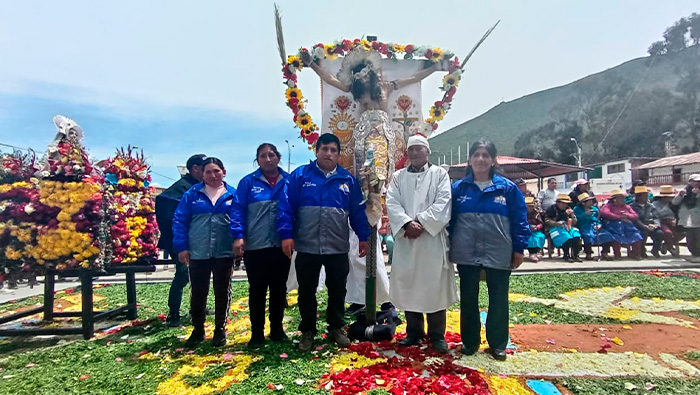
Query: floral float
[{"x": 133, "y": 228}]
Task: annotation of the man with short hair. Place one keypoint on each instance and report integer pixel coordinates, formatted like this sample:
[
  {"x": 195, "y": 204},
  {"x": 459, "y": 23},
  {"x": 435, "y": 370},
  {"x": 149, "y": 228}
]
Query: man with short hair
[
  {"x": 166, "y": 204},
  {"x": 419, "y": 204},
  {"x": 312, "y": 219},
  {"x": 548, "y": 197}
]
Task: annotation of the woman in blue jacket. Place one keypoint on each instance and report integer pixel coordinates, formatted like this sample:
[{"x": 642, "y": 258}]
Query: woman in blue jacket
[
  {"x": 203, "y": 242},
  {"x": 489, "y": 231},
  {"x": 253, "y": 226}
]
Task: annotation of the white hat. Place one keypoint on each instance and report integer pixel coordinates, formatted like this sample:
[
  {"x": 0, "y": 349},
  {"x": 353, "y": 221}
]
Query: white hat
[
  {"x": 694, "y": 177},
  {"x": 417, "y": 139}
]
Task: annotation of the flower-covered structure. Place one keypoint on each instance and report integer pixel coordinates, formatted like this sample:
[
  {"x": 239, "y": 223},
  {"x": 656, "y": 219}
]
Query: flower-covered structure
[{"x": 133, "y": 228}]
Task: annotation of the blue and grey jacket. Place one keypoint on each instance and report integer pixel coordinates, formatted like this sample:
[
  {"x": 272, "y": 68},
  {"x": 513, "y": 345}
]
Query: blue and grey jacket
[
  {"x": 487, "y": 226},
  {"x": 314, "y": 210},
  {"x": 254, "y": 215},
  {"x": 202, "y": 227}
]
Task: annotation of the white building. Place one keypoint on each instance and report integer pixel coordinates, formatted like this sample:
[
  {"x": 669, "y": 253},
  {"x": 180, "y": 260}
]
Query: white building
[{"x": 672, "y": 170}]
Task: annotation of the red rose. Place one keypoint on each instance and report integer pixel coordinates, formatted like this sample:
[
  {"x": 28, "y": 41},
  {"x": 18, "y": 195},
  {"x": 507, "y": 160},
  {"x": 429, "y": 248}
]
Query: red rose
[
  {"x": 435, "y": 126},
  {"x": 383, "y": 48},
  {"x": 429, "y": 53},
  {"x": 452, "y": 91},
  {"x": 375, "y": 45},
  {"x": 447, "y": 99},
  {"x": 409, "y": 48},
  {"x": 438, "y": 104}
]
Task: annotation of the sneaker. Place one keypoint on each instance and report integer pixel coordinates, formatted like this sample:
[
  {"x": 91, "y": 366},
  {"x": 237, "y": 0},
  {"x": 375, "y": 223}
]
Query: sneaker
[
  {"x": 219, "y": 338},
  {"x": 256, "y": 342},
  {"x": 339, "y": 337},
  {"x": 195, "y": 338},
  {"x": 173, "y": 321},
  {"x": 306, "y": 342}
]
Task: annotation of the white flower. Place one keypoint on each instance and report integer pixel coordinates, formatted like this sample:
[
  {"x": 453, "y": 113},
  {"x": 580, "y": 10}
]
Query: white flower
[
  {"x": 291, "y": 84},
  {"x": 45, "y": 173},
  {"x": 301, "y": 113},
  {"x": 29, "y": 209},
  {"x": 2, "y": 207},
  {"x": 319, "y": 53},
  {"x": 446, "y": 107}
]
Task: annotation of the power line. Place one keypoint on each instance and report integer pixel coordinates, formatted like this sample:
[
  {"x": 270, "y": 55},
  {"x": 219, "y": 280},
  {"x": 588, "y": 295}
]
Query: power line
[
  {"x": 16, "y": 147},
  {"x": 163, "y": 175}
]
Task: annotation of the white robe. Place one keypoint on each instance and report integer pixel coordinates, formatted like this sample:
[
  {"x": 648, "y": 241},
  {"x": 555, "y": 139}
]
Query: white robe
[{"x": 422, "y": 278}]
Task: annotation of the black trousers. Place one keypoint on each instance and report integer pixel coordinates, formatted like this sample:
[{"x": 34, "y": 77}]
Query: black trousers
[
  {"x": 657, "y": 237},
  {"x": 415, "y": 325},
  {"x": 200, "y": 273},
  {"x": 692, "y": 238},
  {"x": 308, "y": 267},
  {"x": 571, "y": 248},
  {"x": 180, "y": 280},
  {"x": 497, "y": 282},
  {"x": 267, "y": 268}
]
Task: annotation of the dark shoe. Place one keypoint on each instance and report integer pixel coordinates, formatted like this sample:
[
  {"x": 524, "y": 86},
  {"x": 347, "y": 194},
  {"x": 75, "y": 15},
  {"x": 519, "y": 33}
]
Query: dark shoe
[
  {"x": 354, "y": 309},
  {"x": 655, "y": 253},
  {"x": 173, "y": 321},
  {"x": 195, "y": 338},
  {"x": 278, "y": 336},
  {"x": 664, "y": 250},
  {"x": 440, "y": 345},
  {"x": 577, "y": 259},
  {"x": 307, "y": 341},
  {"x": 256, "y": 342},
  {"x": 339, "y": 337},
  {"x": 410, "y": 341},
  {"x": 219, "y": 339},
  {"x": 469, "y": 350},
  {"x": 498, "y": 355}
]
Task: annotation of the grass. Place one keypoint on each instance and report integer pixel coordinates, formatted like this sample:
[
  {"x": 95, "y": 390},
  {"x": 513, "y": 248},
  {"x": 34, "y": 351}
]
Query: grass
[{"x": 112, "y": 364}]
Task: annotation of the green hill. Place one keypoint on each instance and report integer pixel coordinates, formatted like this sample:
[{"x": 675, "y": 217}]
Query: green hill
[{"x": 505, "y": 122}]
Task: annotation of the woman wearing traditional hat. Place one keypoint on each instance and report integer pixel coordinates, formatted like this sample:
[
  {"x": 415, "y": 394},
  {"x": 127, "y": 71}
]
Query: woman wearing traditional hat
[
  {"x": 667, "y": 217},
  {"x": 689, "y": 215},
  {"x": 590, "y": 227},
  {"x": 618, "y": 219},
  {"x": 582, "y": 186},
  {"x": 537, "y": 238},
  {"x": 561, "y": 221},
  {"x": 649, "y": 224}
]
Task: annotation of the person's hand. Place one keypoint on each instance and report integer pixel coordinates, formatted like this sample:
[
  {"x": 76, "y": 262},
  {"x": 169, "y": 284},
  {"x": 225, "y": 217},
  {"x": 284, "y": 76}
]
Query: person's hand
[
  {"x": 239, "y": 247},
  {"x": 533, "y": 227},
  {"x": 413, "y": 230},
  {"x": 681, "y": 192},
  {"x": 517, "y": 260},
  {"x": 569, "y": 211},
  {"x": 306, "y": 58},
  {"x": 651, "y": 226},
  {"x": 288, "y": 247},
  {"x": 184, "y": 257},
  {"x": 363, "y": 248},
  {"x": 696, "y": 191}
]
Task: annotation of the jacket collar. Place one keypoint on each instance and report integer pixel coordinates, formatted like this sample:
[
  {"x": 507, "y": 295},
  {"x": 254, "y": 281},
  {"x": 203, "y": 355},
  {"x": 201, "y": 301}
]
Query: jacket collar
[
  {"x": 499, "y": 182},
  {"x": 259, "y": 174},
  {"x": 339, "y": 170}
]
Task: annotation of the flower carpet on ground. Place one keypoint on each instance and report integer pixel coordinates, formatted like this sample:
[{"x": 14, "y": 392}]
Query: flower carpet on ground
[{"x": 610, "y": 333}]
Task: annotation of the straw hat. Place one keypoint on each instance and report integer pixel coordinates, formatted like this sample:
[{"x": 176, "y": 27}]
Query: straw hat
[
  {"x": 666, "y": 191},
  {"x": 641, "y": 189},
  {"x": 618, "y": 192},
  {"x": 529, "y": 200},
  {"x": 584, "y": 196},
  {"x": 564, "y": 198}
]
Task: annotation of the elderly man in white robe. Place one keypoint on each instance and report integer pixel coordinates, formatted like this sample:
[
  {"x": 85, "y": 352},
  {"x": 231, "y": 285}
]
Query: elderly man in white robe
[{"x": 419, "y": 203}]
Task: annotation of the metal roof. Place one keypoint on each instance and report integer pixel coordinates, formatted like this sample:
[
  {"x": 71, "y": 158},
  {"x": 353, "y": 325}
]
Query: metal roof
[
  {"x": 678, "y": 160},
  {"x": 526, "y": 168}
]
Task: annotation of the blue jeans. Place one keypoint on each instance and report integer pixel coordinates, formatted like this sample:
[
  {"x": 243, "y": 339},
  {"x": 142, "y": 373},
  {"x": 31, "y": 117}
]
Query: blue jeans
[{"x": 182, "y": 277}]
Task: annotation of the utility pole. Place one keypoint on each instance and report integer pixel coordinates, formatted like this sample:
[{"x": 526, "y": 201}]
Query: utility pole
[
  {"x": 578, "y": 153},
  {"x": 459, "y": 154},
  {"x": 451, "y": 163},
  {"x": 289, "y": 156}
]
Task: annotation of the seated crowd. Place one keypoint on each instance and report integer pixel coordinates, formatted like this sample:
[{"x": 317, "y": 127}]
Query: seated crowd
[{"x": 575, "y": 221}]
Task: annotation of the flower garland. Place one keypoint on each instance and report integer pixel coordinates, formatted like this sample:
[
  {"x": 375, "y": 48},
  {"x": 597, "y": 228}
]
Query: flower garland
[
  {"x": 134, "y": 231},
  {"x": 297, "y": 103}
]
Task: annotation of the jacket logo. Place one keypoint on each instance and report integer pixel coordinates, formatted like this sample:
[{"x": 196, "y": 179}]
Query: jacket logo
[
  {"x": 344, "y": 187},
  {"x": 308, "y": 184},
  {"x": 500, "y": 200},
  {"x": 463, "y": 199},
  {"x": 228, "y": 202},
  {"x": 257, "y": 189},
  {"x": 198, "y": 201}
]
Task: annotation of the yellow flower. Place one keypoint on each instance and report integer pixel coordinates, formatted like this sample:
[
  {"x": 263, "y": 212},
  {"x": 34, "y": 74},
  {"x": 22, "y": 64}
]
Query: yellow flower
[
  {"x": 328, "y": 50},
  {"x": 293, "y": 93},
  {"x": 437, "y": 55},
  {"x": 295, "y": 61},
  {"x": 437, "y": 113},
  {"x": 399, "y": 48},
  {"x": 303, "y": 121},
  {"x": 450, "y": 80},
  {"x": 366, "y": 45}
]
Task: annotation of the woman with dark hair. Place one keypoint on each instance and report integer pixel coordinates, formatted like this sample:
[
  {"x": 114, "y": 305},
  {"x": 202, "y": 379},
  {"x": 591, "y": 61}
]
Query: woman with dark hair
[
  {"x": 689, "y": 215},
  {"x": 489, "y": 232},
  {"x": 619, "y": 219},
  {"x": 201, "y": 238},
  {"x": 253, "y": 227}
]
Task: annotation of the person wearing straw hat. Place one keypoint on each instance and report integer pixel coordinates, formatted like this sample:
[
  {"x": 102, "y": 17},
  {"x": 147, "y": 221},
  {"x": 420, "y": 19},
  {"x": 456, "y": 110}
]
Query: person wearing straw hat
[
  {"x": 667, "y": 218},
  {"x": 581, "y": 186},
  {"x": 648, "y": 222},
  {"x": 619, "y": 219},
  {"x": 537, "y": 238},
  {"x": 590, "y": 227},
  {"x": 689, "y": 215},
  {"x": 561, "y": 221}
]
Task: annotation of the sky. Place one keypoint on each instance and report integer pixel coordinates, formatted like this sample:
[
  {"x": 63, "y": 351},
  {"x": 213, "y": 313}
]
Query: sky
[{"x": 177, "y": 78}]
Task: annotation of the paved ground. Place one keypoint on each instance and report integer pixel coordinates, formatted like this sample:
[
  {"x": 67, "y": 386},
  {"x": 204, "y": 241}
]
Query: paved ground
[{"x": 554, "y": 264}]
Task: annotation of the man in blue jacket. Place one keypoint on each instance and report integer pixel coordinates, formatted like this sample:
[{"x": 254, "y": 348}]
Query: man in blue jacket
[{"x": 318, "y": 200}]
